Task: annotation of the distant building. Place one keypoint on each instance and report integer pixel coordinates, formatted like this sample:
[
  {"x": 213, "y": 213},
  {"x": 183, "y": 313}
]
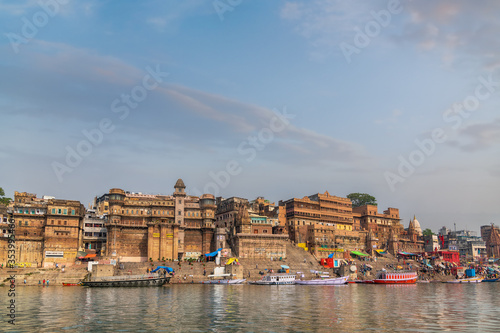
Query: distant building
[
  {"x": 486, "y": 230},
  {"x": 493, "y": 243},
  {"x": 431, "y": 243}
]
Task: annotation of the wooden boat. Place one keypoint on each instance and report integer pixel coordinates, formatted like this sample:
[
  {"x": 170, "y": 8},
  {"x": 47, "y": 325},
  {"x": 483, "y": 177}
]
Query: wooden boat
[
  {"x": 325, "y": 281},
  {"x": 71, "y": 284},
  {"x": 491, "y": 280},
  {"x": 271, "y": 279},
  {"x": 146, "y": 280},
  {"x": 468, "y": 280},
  {"x": 395, "y": 277}
]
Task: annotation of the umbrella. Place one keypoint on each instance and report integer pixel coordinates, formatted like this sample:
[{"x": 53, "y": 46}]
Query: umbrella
[{"x": 285, "y": 266}]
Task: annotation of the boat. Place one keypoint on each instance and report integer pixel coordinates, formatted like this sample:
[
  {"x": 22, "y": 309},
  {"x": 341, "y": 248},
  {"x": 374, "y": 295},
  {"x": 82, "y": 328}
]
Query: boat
[
  {"x": 280, "y": 278},
  {"x": 467, "y": 280},
  {"x": 146, "y": 280},
  {"x": 395, "y": 277},
  {"x": 153, "y": 279},
  {"x": 224, "y": 281},
  {"x": 491, "y": 280},
  {"x": 71, "y": 284},
  {"x": 325, "y": 281}
]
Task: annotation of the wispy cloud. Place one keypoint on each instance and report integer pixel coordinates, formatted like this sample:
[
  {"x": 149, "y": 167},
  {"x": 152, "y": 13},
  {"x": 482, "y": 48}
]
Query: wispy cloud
[{"x": 478, "y": 137}]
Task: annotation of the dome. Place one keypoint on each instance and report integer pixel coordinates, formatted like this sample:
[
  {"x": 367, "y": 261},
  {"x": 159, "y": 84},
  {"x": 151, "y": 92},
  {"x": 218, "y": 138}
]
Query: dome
[
  {"x": 416, "y": 226},
  {"x": 179, "y": 183}
]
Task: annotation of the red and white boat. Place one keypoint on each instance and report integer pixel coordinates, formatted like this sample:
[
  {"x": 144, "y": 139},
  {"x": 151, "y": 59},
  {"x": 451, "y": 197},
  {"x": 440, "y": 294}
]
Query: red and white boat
[{"x": 395, "y": 277}]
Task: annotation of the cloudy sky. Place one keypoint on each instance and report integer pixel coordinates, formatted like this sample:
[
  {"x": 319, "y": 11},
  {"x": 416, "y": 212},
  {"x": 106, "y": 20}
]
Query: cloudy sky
[{"x": 282, "y": 99}]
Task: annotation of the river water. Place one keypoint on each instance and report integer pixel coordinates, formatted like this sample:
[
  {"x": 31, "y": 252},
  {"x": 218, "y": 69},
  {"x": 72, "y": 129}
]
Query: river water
[{"x": 250, "y": 308}]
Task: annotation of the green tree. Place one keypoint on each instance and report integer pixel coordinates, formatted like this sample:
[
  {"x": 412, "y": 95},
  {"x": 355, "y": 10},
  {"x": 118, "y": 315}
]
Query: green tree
[
  {"x": 361, "y": 199},
  {"x": 4, "y": 200},
  {"x": 427, "y": 232}
]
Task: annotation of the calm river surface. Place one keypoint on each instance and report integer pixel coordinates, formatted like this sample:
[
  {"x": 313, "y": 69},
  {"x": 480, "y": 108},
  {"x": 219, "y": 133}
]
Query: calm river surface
[{"x": 249, "y": 308}]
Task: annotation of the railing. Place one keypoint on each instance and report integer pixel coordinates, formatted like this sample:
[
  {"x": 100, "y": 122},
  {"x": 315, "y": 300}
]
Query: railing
[{"x": 126, "y": 277}]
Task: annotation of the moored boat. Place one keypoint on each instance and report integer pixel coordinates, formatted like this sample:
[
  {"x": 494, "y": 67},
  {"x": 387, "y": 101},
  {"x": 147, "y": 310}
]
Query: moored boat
[
  {"x": 325, "y": 281},
  {"x": 395, "y": 277},
  {"x": 71, "y": 284},
  {"x": 467, "y": 280},
  {"x": 146, "y": 280},
  {"x": 272, "y": 279},
  {"x": 491, "y": 280},
  {"x": 224, "y": 281}
]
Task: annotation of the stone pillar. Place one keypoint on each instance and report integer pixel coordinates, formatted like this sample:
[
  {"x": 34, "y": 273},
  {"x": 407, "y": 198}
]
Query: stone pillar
[
  {"x": 163, "y": 242},
  {"x": 175, "y": 241},
  {"x": 150, "y": 241}
]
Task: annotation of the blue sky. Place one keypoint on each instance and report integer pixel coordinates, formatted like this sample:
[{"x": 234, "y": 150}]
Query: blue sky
[{"x": 243, "y": 98}]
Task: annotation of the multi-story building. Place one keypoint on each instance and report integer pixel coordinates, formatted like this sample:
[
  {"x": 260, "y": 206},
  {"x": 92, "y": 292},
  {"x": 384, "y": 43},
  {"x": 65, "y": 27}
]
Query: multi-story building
[
  {"x": 317, "y": 209},
  {"x": 379, "y": 226},
  {"x": 431, "y": 243},
  {"x": 94, "y": 233},
  {"x": 47, "y": 230},
  {"x": 493, "y": 243},
  {"x": 144, "y": 227},
  {"x": 486, "y": 230}
]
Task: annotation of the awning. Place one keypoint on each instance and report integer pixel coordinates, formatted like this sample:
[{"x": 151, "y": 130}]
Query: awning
[
  {"x": 90, "y": 255},
  {"x": 407, "y": 253},
  {"x": 361, "y": 254},
  {"x": 330, "y": 256},
  {"x": 168, "y": 269},
  {"x": 381, "y": 251},
  {"x": 213, "y": 254},
  {"x": 442, "y": 266},
  {"x": 285, "y": 266},
  {"x": 231, "y": 260}
]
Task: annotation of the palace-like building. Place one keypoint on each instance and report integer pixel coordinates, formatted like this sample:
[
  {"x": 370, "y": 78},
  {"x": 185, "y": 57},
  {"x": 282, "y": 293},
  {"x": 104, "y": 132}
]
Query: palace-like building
[{"x": 143, "y": 227}]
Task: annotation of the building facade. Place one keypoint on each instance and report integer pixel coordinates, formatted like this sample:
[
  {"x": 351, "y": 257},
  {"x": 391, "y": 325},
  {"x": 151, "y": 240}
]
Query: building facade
[
  {"x": 143, "y": 227},
  {"x": 48, "y": 231}
]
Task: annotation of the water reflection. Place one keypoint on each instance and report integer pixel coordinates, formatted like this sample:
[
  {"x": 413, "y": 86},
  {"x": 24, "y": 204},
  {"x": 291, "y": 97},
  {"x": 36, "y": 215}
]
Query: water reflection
[{"x": 250, "y": 308}]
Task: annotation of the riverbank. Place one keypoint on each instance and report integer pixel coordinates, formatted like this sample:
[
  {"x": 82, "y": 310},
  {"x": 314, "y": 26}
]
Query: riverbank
[{"x": 299, "y": 261}]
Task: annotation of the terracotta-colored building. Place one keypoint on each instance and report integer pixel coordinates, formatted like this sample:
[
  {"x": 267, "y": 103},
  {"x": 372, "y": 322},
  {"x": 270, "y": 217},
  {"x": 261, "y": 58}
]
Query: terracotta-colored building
[{"x": 317, "y": 209}]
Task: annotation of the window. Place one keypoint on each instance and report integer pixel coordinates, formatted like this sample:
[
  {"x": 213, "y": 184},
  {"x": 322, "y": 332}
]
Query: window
[
  {"x": 26, "y": 223},
  {"x": 32, "y": 211},
  {"x": 180, "y": 213},
  {"x": 59, "y": 211},
  {"x": 59, "y": 222},
  {"x": 73, "y": 212},
  {"x": 65, "y": 222},
  {"x": 65, "y": 212},
  {"x": 20, "y": 223}
]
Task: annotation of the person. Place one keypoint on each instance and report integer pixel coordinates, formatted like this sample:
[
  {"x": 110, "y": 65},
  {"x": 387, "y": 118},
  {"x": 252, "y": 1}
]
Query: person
[
  {"x": 204, "y": 272},
  {"x": 39, "y": 282},
  {"x": 44, "y": 282},
  {"x": 48, "y": 282},
  {"x": 24, "y": 280}
]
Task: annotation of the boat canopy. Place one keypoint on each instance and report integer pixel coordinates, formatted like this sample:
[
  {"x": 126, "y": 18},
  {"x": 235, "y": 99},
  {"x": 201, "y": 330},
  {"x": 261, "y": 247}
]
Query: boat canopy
[
  {"x": 168, "y": 269},
  {"x": 381, "y": 251},
  {"x": 407, "y": 253},
  {"x": 361, "y": 254},
  {"x": 231, "y": 260},
  {"x": 285, "y": 266},
  {"x": 213, "y": 254}
]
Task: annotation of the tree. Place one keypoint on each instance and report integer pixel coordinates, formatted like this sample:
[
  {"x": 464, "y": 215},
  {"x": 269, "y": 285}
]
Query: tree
[
  {"x": 427, "y": 232},
  {"x": 361, "y": 199},
  {"x": 3, "y": 199}
]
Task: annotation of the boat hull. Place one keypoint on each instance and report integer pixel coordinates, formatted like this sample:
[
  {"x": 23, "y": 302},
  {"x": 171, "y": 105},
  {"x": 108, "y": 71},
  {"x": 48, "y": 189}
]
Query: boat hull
[
  {"x": 324, "y": 282},
  {"x": 151, "y": 282},
  {"x": 71, "y": 284},
  {"x": 394, "y": 281},
  {"x": 473, "y": 280},
  {"x": 268, "y": 283},
  {"x": 225, "y": 281}
]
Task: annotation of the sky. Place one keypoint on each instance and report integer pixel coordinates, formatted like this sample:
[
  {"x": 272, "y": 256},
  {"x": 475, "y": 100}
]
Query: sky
[{"x": 281, "y": 99}]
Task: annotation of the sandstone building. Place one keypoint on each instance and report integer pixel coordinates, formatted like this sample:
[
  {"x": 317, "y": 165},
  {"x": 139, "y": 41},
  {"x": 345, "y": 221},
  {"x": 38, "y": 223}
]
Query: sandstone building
[
  {"x": 47, "y": 230},
  {"x": 143, "y": 227}
]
